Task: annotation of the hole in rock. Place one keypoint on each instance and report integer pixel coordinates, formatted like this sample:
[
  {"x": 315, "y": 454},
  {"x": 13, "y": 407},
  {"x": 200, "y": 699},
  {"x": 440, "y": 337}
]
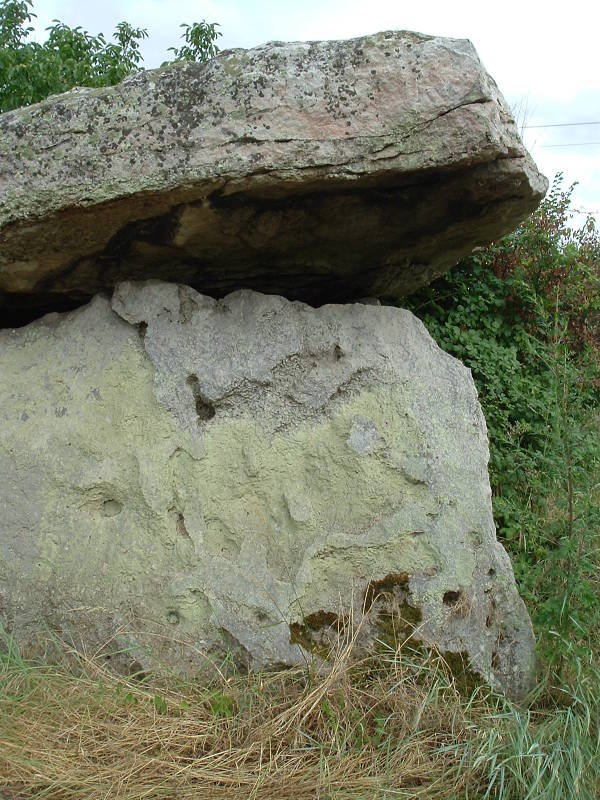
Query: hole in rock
[
  {"x": 137, "y": 672},
  {"x": 142, "y": 328},
  {"x": 491, "y": 572},
  {"x": 488, "y": 622},
  {"x": 110, "y": 508},
  {"x": 180, "y": 525},
  {"x": 205, "y": 410},
  {"x": 451, "y": 598},
  {"x": 495, "y": 660},
  {"x": 391, "y": 584},
  {"x": 460, "y": 666},
  {"x": 312, "y": 632},
  {"x": 390, "y": 604}
]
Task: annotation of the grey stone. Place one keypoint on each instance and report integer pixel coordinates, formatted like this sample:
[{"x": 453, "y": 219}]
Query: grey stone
[
  {"x": 322, "y": 171},
  {"x": 182, "y": 477}
]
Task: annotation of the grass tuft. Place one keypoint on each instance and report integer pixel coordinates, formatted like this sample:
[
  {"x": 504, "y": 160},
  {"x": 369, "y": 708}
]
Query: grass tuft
[{"x": 387, "y": 728}]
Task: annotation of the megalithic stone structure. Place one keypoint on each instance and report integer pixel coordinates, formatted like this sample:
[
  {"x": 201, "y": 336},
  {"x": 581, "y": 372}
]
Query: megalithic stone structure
[
  {"x": 219, "y": 451},
  {"x": 321, "y": 171}
]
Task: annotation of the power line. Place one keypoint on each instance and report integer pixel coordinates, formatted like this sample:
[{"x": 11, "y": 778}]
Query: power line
[
  {"x": 570, "y": 144},
  {"x": 562, "y": 124}
]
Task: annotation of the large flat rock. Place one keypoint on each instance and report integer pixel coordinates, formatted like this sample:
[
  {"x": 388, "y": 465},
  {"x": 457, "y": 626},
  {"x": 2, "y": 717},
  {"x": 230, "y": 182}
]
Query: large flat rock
[
  {"x": 323, "y": 171},
  {"x": 182, "y": 478}
]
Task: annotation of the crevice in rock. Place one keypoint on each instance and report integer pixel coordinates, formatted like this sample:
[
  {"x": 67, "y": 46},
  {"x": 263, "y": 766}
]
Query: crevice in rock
[
  {"x": 205, "y": 409},
  {"x": 149, "y": 248},
  {"x": 465, "y": 675},
  {"x": 392, "y": 610},
  {"x": 232, "y": 647},
  {"x": 181, "y": 528},
  {"x": 317, "y": 632},
  {"x": 17, "y": 311}
]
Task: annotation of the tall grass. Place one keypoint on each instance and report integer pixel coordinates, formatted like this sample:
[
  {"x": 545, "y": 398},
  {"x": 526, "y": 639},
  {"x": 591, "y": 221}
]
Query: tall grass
[{"x": 386, "y": 728}]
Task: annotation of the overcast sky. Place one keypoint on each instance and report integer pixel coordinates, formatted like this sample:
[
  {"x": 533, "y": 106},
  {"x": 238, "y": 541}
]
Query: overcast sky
[{"x": 545, "y": 56}]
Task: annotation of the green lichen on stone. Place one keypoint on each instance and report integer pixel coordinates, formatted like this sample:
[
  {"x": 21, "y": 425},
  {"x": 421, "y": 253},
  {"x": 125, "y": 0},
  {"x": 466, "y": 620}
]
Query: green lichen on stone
[{"x": 192, "y": 476}]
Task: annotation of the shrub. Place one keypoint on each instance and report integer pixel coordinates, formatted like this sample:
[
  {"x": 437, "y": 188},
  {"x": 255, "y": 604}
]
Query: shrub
[{"x": 524, "y": 315}]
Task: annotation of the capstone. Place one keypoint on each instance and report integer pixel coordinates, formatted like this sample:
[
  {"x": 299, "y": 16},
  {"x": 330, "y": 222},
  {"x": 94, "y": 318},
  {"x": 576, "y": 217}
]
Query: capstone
[{"x": 321, "y": 171}]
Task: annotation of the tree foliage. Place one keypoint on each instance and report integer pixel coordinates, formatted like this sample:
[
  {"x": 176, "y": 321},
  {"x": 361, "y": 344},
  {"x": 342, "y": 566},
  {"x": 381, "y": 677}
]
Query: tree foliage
[
  {"x": 199, "y": 40},
  {"x": 30, "y": 71}
]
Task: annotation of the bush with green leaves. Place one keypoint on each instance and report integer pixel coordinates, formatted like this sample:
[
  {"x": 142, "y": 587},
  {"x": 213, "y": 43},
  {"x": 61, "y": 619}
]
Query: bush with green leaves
[
  {"x": 524, "y": 315},
  {"x": 30, "y": 71},
  {"x": 199, "y": 41}
]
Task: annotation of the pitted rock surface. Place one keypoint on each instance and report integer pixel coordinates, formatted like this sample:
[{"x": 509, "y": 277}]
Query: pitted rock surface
[
  {"x": 183, "y": 477},
  {"x": 322, "y": 171}
]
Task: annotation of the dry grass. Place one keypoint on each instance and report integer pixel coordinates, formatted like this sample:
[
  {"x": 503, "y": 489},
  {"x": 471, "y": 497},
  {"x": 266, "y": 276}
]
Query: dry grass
[{"x": 385, "y": 729}]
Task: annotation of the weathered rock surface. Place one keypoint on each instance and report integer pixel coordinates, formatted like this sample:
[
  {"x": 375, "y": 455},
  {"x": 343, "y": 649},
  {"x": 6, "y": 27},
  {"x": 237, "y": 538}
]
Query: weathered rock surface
[
  {"x": 182, "y": 476},
  {"x": 321, "y": 171}
]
